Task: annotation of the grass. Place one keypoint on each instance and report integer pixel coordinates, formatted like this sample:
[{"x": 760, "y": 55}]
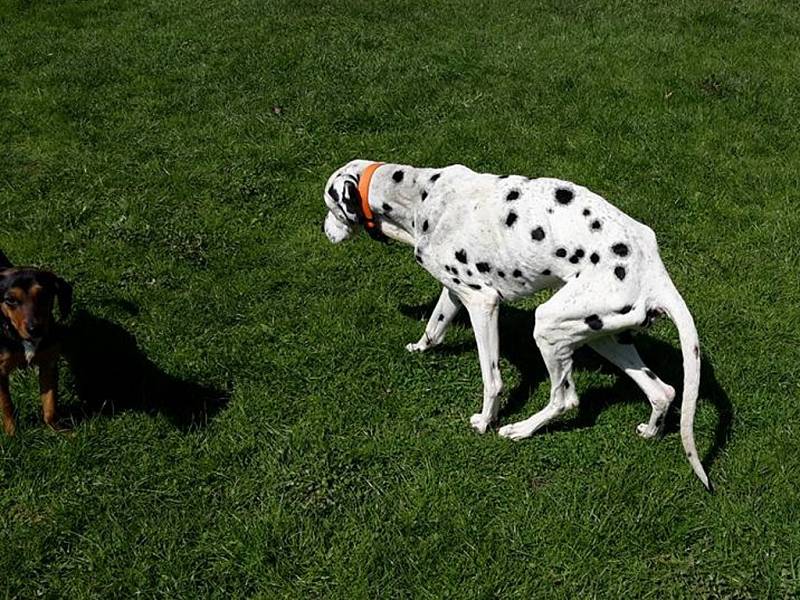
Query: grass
[{"x": 246, "y": 421}]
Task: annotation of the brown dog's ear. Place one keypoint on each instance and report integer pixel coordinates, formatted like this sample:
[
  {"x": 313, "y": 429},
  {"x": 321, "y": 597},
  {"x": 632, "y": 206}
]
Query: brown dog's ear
[{"x": 64, "y": 295}]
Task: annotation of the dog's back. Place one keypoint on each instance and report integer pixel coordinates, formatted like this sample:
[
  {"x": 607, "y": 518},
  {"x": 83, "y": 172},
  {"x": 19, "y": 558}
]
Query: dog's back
[{"x": 518, "y": 235}]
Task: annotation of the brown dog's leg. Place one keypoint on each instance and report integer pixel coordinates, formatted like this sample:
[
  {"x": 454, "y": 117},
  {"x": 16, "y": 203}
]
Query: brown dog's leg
[
  {"x": 8, "y": 408},
  {"x": 48, "y": 387}
]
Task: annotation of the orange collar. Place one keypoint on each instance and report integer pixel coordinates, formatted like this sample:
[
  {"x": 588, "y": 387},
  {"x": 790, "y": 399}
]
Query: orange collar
[{"x": 363, "y": 192}]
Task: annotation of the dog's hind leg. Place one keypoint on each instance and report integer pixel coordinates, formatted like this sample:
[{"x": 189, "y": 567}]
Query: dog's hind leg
[
  {"x": 658, "y": 393},
  {"x": 579, "y": 312},
  {"x": 446, "y": 309},
  {"x": 557, "y": 340},
  {"x": 483, "y": 313}
]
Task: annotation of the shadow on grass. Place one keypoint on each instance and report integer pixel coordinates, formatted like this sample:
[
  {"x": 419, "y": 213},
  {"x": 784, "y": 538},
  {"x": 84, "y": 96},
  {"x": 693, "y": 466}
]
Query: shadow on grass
[
  {"x": 112, "y": 375},
  {"x": 518, "y": 348}
]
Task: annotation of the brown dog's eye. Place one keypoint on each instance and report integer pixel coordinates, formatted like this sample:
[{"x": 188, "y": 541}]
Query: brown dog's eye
[{"x": 11, "y": 302}]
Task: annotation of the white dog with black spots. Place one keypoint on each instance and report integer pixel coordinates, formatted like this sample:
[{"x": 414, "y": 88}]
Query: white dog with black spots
[{"x": 490, "y": 238}]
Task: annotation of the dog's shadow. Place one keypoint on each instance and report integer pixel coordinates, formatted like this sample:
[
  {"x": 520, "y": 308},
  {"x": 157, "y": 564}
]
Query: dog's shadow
[
  {"x": 518, "y": 347},
  {"x": 110, "y": 375}
]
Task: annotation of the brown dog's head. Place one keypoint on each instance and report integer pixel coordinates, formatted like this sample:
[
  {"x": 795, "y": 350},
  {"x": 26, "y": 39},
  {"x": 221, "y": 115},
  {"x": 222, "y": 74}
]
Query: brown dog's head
[{"x": 26, "y": 302}]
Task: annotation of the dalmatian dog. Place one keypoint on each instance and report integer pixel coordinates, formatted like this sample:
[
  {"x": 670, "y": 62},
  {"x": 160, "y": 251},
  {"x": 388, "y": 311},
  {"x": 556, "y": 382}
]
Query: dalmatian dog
[{"x": 489, "y": 238}]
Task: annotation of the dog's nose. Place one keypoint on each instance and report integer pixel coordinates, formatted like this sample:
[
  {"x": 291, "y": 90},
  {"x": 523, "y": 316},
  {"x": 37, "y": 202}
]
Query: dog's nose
[{"x": 34, "y": 329}]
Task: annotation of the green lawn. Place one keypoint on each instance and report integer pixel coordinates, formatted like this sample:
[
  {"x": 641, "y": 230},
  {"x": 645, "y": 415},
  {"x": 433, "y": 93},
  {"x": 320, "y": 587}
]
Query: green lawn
[{"x": 245, "y": 419}]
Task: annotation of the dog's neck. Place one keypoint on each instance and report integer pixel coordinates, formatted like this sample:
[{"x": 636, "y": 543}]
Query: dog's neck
[{"x": 395, "y": 194}]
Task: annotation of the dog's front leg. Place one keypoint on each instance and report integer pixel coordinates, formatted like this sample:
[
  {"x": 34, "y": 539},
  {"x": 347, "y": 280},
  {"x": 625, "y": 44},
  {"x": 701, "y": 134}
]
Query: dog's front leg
[
  {"x": 446, "y": 309},
  {"x": 483, "y": 312},
  {"x": 48, "y": 388},
  {"x": 8, "y": 409}
]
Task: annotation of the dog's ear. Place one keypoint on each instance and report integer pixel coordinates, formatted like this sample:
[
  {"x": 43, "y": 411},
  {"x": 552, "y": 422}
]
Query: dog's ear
[
  {"x": 64, "y": 295},
  {"x": 351, "y": 199},
  {"x": 4, "y": 262}
]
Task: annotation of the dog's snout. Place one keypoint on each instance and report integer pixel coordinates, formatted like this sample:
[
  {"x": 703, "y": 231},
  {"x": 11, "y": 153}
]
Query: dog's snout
[{"x": 34, "y": 328}]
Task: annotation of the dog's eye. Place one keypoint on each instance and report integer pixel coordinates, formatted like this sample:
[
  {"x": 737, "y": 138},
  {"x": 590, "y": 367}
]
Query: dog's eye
[{"x": 11, "y": 302}]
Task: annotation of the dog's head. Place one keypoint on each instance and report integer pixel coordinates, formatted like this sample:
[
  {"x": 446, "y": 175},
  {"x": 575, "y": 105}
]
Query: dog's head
[
  {"x": 343, "y": 202},
  {"x": 27, "y": 297}
]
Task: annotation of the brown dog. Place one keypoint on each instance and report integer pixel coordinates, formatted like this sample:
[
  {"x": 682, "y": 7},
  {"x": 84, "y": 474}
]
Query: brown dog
[{"x": 28, "y": 333}]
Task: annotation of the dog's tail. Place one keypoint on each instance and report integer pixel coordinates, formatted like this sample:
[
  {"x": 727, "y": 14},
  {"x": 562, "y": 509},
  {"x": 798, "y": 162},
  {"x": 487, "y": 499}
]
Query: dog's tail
[{"x": 675, "y": 307}]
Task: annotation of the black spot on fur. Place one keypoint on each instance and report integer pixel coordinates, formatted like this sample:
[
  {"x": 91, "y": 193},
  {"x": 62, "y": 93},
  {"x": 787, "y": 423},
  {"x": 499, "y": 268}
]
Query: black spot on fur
[
  {"x": 425, "y": 225},
  {"x": 435, "y": 176},
  {"x": 561, "y": 252},
  {"x": 596, "y": 225},
  {"x": 586, "y": 212},
  {"x": 626, "y": 337},
  {"x": 594, "y": 322},
  {"x": 625, "y": 309},
  {"x": 546, "y": 272},
  {"x": 511, "y": 218},
  {"x": 549, "y": 211},
  {"x": 620, "y": 249},
  {"x": 424, "y": 195},
  {"x": 456, "y": 281},
  {"x": 566, "y": 385},
  {"x": 441, "y": 318},
  {"x": 469, "y": 273},
  {"x": 537, "y": 234},
  {"x": 619, "y": 272},
  {"x": 397, "y": 176},
  {"x": 564, "y": 196},
  {"x": 579, "y": 254},
  {"x": 483, "y": 267},
  {"x": 503, "y": 177},
  {"x": 461, "y": 256},
  {"x": 419, "y": 258},
  {"x": 696, "y": 352},
  {"x": 333, "y": 193},
  {"x": 412, "y": 223},
  {"x": 649, "y": 373},
  {"x": 512, "y": 195},
  {"x": 517, "y": 273},
  {"x": 501, "y": 273},
  {"x": 474, "y": 286},
  {"x": 594, "y": 258},
  {"x": 387, "y": 207}
]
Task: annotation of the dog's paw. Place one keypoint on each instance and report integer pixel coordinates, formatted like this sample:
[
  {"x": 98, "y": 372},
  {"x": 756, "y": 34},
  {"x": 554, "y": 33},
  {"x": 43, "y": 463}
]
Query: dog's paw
[
  {"x": 479, "y": 422},
  {"x": 515, "y": 431},
  {"x": 418, "y": 347},
  {"x": 647, "y": 432}
]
